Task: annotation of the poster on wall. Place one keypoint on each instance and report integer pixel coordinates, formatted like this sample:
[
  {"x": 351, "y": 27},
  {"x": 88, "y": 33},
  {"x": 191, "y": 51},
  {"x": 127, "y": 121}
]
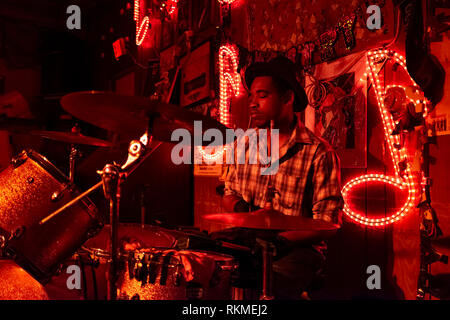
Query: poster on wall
[
  {"x": 337, "y": 111},
  {"x": 439, "y": 118},
  {"x": 196, "y": 75}
]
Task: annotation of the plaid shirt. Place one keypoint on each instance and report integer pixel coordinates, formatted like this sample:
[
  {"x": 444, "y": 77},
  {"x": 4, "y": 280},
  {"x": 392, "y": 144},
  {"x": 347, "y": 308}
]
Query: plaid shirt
[{"x": 307, "y": 184}]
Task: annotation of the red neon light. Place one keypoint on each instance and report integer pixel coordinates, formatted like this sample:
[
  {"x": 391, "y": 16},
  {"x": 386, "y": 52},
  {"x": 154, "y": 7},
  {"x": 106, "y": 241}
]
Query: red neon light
[
  {"x": 141, "y": 26},
  {"x": 173, "y": 6},
  {"x": 226, "y": 1},
  {"x": 230, "y": 82},
  {"x": 404, "y": 179}
]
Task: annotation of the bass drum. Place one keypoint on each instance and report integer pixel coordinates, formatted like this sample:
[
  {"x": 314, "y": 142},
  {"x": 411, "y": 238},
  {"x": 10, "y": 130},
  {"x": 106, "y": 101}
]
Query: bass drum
[{"x": 31, "y": 188}]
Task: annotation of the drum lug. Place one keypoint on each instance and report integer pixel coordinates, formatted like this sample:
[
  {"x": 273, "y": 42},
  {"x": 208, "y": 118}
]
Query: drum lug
[
  {"x": 2, "y": 242},
  {"x": 177, "y": 277},
  {"x": 19, "y": 159},
  {"x": 57, "y": 195},
  {"x": 18, "y": 232}
]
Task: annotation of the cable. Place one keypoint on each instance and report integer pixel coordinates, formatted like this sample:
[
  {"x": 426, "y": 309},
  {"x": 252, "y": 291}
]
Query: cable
[{"x": 136, "y": 62}]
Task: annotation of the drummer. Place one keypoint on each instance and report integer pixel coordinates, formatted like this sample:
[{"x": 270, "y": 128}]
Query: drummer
[{"x": 307, "y": 182}]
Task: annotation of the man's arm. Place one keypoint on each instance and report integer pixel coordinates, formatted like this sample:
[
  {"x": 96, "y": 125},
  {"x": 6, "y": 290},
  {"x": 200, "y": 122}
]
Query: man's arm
[
  {"x": 232, "y": 200},
  {"x": 327, "y": 201}
]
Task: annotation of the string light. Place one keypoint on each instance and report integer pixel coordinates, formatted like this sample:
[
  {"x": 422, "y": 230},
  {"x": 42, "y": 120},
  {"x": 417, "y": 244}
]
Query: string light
[
  {"x": 226, "y": 1},
  {"x": 141, "y": 26},
  {"x": 173, "y": 6},
  {"x": 403, "y": 179},
  {"x": 229, "y": 86}
]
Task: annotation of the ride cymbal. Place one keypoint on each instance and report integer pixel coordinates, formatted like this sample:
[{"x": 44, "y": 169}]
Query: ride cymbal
[
  {"x": 70, "y": 137},
  {"x": 130, "y": 115}
]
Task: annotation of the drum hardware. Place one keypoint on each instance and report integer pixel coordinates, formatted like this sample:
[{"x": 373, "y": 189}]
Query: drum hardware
[
  {"x": 18, "y": 160},
  {"x": 112, "y": 178},
  {"x": 57, "y": 195},
  {"x": 177, "y": 275},
  {"x": 28, "y": 185},
  {"x": 74, "y": 155},
  {"x": 2, "y": 242},
  {"x": 268, "y": 251}
]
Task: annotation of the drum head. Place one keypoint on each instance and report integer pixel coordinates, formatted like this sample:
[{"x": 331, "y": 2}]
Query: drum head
[
  {"x": 133, "y": 233},
  {"x": 17, "y": 284}
]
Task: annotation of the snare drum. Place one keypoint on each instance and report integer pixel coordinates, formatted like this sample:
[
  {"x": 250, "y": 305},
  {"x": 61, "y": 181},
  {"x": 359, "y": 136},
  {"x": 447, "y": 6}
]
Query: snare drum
[
  {"x": 153, "y": 274},
  {"x": 93, "y": 258},
  {"x": 31, "y": 188}
]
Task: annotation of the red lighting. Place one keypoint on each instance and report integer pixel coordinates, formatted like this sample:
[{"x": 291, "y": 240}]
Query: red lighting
[
  {"x": 141, "y": 26},
  {"x": 119, "y": 48},
  {"x": 403, "y": 179},
  {"x": 173, "y": 6},
  {"x": 226, "y": 1},
  {"x": 230, "y": 82}
]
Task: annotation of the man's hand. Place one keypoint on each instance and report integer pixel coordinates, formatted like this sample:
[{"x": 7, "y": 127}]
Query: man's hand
[{"x": 234, "y": 203}]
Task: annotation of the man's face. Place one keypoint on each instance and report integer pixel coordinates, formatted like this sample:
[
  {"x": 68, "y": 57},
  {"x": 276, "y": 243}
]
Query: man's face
[{"x": 265, "y": 102}]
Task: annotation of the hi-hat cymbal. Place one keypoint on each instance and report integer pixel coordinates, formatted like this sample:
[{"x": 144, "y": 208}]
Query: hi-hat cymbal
[
  {"x": 70, "y": 137},
  {"x": 130, "y": 115},
  {"x": 296, "y": 229}
]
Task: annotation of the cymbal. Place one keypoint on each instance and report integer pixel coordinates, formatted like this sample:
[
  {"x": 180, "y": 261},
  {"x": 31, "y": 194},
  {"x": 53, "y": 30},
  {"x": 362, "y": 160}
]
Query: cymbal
[
  {"x": 130, "y": 115},
  {"x": 70, "y": 137},
  {"x": 296, "y": 229}
]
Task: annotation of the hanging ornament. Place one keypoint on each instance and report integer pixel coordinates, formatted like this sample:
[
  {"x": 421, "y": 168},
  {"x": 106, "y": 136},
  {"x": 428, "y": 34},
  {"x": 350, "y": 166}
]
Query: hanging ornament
[
  {"x": 326, "y": 42},
  {"x": 346, "y": 25},
  {"x": 391, "y": 101},
  {"x": 291, "y": 54},
  {"x": 168, "y": 6},
  {"x": 307, "y": 51}
]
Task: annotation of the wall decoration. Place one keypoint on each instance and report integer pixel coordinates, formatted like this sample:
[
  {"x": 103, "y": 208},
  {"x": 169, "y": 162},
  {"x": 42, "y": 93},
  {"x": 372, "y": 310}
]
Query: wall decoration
[
  {"x": 339, "y": 108},
  {"x": 279, "y": 25},
  {"x": 142, "y": 22},
  {"x": 229, "y": 87},
  {"x": 405, "y": 177},
  {"x": 326, "y": 42},
  {"x": 196, "y": 75},
  {"x": 439, "y": 119}
]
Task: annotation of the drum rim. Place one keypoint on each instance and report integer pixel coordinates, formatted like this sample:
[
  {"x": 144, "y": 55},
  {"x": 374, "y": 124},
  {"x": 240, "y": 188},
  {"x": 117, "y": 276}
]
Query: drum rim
[
  {"x": 105, "y": 254},
  {"x": 47, "y": 165}
]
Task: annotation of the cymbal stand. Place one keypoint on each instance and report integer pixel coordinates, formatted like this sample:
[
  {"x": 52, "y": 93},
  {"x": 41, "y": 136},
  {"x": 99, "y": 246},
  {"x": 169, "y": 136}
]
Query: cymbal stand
[
  {"x": 267, "y": 246},
  {"x": 74, "y": 154},
  {"x": 268, "y": 253},
  {"x": 113, "y": 176}
]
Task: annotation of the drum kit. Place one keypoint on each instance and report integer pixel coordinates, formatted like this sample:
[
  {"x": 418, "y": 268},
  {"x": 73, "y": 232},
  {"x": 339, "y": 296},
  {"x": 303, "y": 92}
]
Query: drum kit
[{"x": 45, "y": 220}]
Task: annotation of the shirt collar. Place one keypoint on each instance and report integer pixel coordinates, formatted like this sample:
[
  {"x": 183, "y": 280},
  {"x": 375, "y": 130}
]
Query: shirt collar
[{"x": 301, "y": 134}]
